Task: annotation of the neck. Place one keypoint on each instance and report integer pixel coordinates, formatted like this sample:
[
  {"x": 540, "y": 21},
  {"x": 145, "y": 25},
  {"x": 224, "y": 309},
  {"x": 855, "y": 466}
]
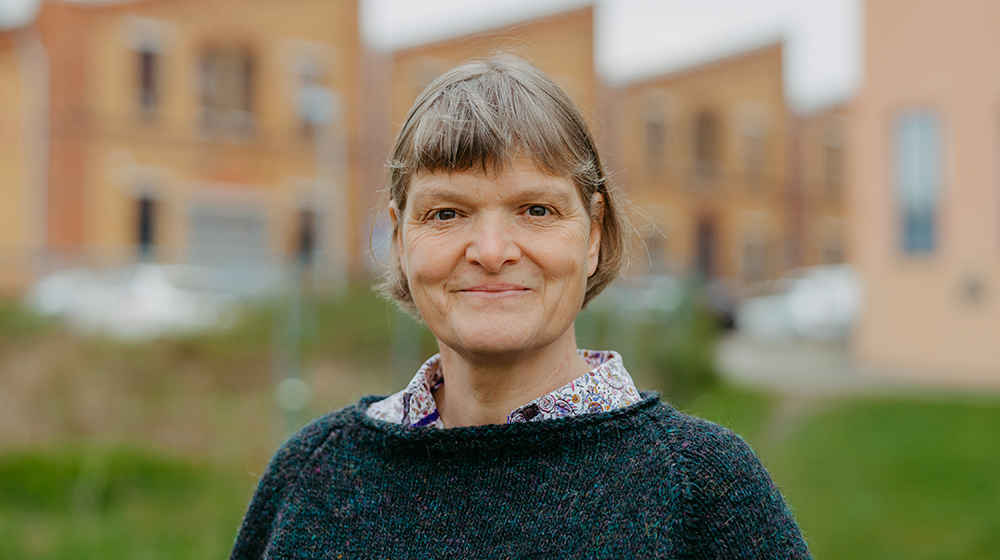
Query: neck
[{"x": 480, "y": 390}]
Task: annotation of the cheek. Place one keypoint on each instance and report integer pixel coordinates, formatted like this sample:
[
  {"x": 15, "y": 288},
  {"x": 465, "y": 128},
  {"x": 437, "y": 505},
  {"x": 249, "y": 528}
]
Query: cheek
[
  {"x": 565, "y": 260},
  {"x": 424, "y": 259}
]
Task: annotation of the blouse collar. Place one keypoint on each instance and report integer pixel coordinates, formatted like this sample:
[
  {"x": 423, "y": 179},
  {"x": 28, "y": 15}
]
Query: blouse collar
[{"x": 608, "y": 386}]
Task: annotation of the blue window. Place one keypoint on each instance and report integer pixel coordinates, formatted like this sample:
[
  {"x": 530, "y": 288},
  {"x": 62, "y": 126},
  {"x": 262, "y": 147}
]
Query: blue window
[{"x": 917, "y": 178}]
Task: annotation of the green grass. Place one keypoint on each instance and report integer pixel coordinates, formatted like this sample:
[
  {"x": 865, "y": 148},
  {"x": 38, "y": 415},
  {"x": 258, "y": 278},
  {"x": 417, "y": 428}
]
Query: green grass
[
  {"x": 116, "y": 502},
  {"x": 896, "y": 479},
  {"x": 745, "y": 412},
  {"x": 18, "y": 323},
  {"x": 881, "y": 478}
]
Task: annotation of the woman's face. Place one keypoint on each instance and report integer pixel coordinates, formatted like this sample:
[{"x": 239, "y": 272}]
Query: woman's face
[{"x": 497, "y": 266}]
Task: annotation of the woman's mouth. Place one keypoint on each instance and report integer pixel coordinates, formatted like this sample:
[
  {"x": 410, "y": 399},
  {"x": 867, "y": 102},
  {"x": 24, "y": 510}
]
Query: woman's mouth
[{"x": 495, "y": 291}]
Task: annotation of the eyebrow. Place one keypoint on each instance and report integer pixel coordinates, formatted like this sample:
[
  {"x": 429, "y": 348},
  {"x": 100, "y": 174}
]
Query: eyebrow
[
  {"x": 437, "y": 194},
  {"x": 462, "y": 195}
]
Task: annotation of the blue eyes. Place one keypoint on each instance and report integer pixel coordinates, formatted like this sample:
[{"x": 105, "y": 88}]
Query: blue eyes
[{"x": 446, "y": 214}]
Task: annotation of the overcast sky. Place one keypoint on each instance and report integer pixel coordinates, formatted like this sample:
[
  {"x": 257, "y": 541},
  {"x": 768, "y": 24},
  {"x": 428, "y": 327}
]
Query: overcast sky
[
  {"x": 14, "y": 13},
  {"x": 637, "y": 38}
]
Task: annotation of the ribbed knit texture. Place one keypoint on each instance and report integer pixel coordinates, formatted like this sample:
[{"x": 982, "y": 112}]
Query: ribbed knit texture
[{"x": 641, "y": 482}]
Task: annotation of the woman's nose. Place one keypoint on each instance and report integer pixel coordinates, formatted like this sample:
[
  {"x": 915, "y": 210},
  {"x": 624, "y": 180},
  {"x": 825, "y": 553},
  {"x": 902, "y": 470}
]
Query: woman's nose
[{"x": 492, "y": 245}]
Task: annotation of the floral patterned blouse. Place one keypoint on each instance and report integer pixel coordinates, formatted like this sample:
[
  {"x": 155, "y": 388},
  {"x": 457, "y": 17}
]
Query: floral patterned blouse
[{"x": 606, "y": 387}]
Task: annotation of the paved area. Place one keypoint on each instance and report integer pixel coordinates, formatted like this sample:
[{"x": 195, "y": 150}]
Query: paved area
[
  {"x": 818, "y": 368},
  {"x": 810, "y": 375}
]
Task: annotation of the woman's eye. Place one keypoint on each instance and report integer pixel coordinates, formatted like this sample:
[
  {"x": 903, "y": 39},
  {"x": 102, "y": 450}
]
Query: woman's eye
[
  {"x": 446, "y": 214},
  {"x": 538, "y": 211}
]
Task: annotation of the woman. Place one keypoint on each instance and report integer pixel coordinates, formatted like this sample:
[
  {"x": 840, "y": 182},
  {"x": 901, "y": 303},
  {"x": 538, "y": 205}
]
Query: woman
[{"x": 510, "y": 443}]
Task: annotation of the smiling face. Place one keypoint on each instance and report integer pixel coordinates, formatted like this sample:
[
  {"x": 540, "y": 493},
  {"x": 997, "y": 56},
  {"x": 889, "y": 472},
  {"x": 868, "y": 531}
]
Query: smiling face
[{"x": 497, "y": 264}]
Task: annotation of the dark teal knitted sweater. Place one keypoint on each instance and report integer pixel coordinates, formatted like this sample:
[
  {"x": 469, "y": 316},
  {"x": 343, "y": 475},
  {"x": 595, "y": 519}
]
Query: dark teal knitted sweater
[{"x": 641, "y": 482}]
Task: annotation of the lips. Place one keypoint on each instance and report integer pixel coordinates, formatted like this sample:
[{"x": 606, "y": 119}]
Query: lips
[{"x": 495, "y": 290}]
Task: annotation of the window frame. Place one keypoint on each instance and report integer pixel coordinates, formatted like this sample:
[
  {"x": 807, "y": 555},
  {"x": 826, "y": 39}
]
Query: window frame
[{"x": 917, "y": 157}]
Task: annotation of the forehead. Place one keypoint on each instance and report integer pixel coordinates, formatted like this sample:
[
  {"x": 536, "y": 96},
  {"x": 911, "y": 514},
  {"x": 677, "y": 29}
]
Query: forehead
[{"x": 521, "y": 179}]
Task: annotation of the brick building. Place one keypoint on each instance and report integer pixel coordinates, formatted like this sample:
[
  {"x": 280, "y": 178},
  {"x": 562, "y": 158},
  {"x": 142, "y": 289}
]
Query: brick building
[
  {"x": 732, "y": 184},
  {"x": 200, "y": 131}
]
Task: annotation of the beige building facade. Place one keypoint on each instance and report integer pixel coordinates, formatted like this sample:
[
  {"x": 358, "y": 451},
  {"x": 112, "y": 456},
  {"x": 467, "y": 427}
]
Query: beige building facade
[{"x": 924, "y": 184}]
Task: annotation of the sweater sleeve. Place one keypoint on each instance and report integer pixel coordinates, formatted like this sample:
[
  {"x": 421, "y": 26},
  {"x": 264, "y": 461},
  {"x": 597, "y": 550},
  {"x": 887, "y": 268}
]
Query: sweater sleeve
[
  {"x": 725, "y": 504},
  {"x": 274, "y": 487}
]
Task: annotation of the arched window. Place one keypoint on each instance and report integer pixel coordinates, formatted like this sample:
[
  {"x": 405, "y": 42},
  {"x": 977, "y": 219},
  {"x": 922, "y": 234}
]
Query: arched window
[
  {"x": 655, "y": 140},
  {"x": 227, "y": 89},
  {"x": 145, "y": 225},
  {"x": 707, "y": 143},
  {"x": 833, "y": 158},
  {"x": 148, "y": 62}
]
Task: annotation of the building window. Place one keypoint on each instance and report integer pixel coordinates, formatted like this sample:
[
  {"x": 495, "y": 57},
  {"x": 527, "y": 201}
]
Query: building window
[
  {"x": 833, "y": 159},
  {"x": 312, "y": 103},
  {"x": 753, "y": 127},
  {"x": 754, "y": 259},
  {"x": 656, "y": 142},
  {"x": 917, "y": 178},
  {"x": 705, "y": 249},
  {"x": 149, "y": 81},
  {"x": 706, "y": 144},
  {"x": 227, "y": 90},
  {"x": 305, "y": 237},
  {"x": 145, "y": 225},
  {"x": 755, "y": 153}
]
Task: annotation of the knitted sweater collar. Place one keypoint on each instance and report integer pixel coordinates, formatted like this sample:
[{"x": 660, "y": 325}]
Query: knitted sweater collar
[{"x": 504, "y": 438}]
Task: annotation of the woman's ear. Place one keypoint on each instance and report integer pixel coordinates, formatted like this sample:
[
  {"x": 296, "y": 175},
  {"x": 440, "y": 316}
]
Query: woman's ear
[
  {"x": 596, "y": 229},
  {"x": 397, "y": 231},
  {"x": 597, "y": 207}
]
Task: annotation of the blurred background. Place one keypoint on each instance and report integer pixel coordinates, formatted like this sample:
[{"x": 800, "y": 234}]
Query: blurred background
[{"x": 189, "y": 233}]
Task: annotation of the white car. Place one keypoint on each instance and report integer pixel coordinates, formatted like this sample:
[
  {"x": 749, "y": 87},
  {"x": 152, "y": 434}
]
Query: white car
[
  {"x": 138, "y": 302},
  {"x": 648, "y": 294},
  {"x": 813, "y": 302}
]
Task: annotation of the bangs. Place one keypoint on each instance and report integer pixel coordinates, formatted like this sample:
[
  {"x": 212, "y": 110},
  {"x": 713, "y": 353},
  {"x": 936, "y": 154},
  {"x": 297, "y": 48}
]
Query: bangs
[{"x": 488, "y": 121}]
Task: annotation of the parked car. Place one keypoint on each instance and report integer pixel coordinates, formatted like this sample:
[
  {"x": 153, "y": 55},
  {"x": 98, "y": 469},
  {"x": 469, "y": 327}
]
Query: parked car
[
  {"x": 658, "y": 296},
  {"x": 643, "y": 294},
  {"x": 719, "y": 296},
  {"x": 813, "y": 302},
  {"x": 139, "y": 301}
]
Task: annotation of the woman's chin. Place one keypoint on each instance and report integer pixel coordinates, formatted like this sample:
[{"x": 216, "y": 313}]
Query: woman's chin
[
  {"x": 498, "y": 347},
  {"x": 499, "y": 339}
]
